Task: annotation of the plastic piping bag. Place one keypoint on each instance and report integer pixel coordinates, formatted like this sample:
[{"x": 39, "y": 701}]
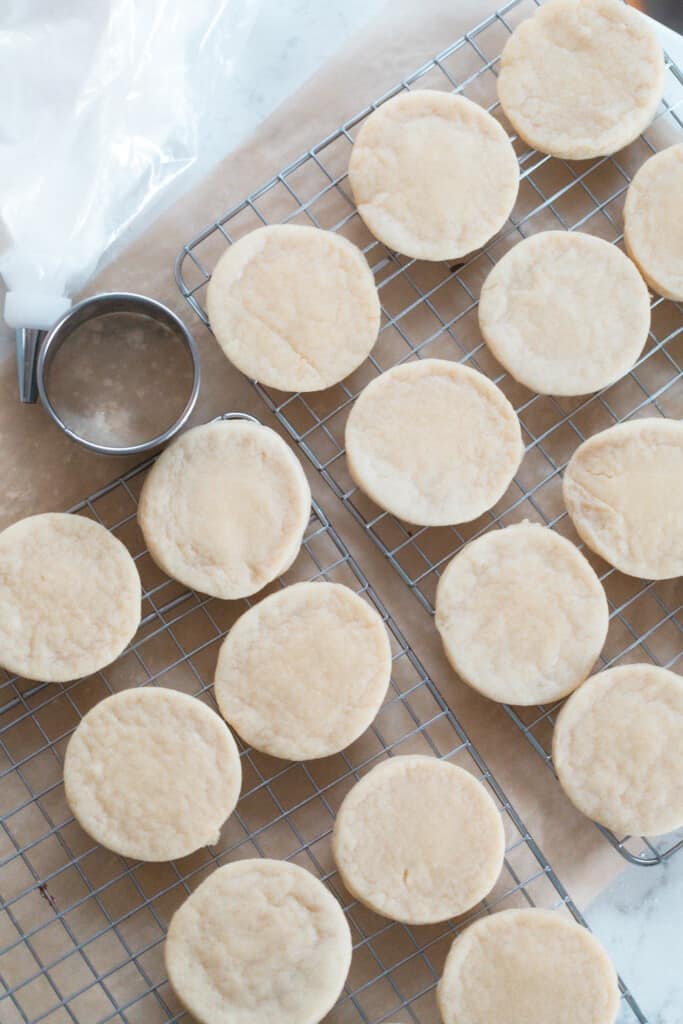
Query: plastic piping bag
[{"x": 98, "y": 124}]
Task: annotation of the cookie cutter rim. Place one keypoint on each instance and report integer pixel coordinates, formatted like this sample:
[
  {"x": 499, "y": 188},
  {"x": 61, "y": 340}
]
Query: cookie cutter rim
[{"x": 101, "y": 305}]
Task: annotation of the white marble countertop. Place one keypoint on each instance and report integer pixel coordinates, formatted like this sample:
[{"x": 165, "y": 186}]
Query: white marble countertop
[{"x": 638, "y": 916}]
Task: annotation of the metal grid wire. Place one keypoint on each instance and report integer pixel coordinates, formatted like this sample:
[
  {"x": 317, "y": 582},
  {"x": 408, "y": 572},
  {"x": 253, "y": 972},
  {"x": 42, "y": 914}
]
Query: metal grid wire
[
  {"x": 82, "y": 929},
  {"x": 430, "y": 310}
]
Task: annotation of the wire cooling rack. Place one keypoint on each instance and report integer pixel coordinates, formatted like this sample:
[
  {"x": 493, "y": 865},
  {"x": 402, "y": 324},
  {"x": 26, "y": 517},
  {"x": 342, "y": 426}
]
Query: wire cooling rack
[
  {"x": 430, "y": 310},
  {"x": 82, "y": 929}
]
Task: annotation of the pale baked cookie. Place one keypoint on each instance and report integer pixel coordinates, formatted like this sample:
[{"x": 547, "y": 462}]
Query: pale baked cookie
[
  {"x": 294, "y": 307},
  {"x": 304, "y": 672},
  {"x": 565, "y": 313},
  {"x": 653, "y": 222},
  {"x": 522, "y": 615},
  {"x": 527, "y": 967},
  {"x": 623, "y": 489},
  {"x": 433, "y": 442},
  {"x": 581, "y": 78},
  {"x": 69, "y": 597},
  {"x": 433, "y": 175},
  {"x": 618, "y": 749},
  {"x": 418, "y": 840},
  {"x": 152, "y": 774},
  {"x": 259, "y": 942},
  {"x": 225, "y": 507}
]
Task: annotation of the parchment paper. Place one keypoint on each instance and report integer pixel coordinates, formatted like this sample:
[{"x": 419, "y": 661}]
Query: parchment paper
[{"x": 42, "y": 470}]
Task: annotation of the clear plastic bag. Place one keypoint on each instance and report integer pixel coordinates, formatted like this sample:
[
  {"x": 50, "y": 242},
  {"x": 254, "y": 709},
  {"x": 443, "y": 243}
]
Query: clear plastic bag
[{"x": 98, "y": 122}]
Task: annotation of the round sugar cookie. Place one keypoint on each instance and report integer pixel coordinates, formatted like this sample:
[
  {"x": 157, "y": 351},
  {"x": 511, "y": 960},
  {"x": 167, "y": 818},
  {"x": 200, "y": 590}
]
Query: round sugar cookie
[
  {"x": 152, "y": 774},
  {"x": 294, "y": 307},
  {"x": 225, "y": 507},
  {"x": 433, "y": 442},
  {"x": 527, "y": 967},
  {"x": 565, "y": 313},
  {"x": 259, "y": 941},
  {"x": 418, "y": 840},
  {"x": 653, "y": 222},
  {"x": 304, "y": 672},
  {"x": 434, "y": 176},
  {"x": 618, "y": 749},
  {"x": 623, "y": 489},
  {"x": 522, "y": 615},
  {"x": 581, "y": 78},
  {"x": 69, "y": 597}
]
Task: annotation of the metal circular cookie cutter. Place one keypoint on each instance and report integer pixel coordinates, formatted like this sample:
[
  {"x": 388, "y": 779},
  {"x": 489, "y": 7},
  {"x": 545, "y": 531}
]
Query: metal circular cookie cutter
[{"x": 101, "y": 305}]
